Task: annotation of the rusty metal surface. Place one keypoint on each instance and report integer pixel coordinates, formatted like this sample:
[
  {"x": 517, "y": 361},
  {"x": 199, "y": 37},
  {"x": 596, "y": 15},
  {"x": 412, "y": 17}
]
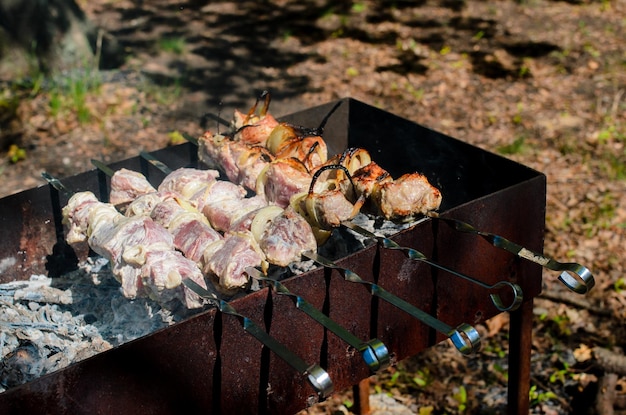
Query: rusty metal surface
[{"x": 208, "y": 364}]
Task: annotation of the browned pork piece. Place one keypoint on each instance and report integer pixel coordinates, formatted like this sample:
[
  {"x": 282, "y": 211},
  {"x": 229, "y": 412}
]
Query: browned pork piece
[
  {"x": 299, "y": 154},
  {"x": 282, "y": 179},
  {"x": 240, "y": 162},
  {"x": 252, "y": 128},
  {"x": 394, "y": 199},
  {"x": 127, "y": 185},
  {"x": 288, "y": 141},
  {"x": 407, "y": 196},
  {"x": 138, "y": 249}
]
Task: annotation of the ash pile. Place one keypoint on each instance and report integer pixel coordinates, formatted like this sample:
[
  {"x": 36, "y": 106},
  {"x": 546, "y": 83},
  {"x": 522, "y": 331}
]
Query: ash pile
[{"x": 49, "y": 323}]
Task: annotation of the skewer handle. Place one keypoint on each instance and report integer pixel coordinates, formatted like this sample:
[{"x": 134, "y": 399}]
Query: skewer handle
[
  {"x": 316, "y": 376},
  {"x": 465, "y": 338},
  {"x": 374, "y": 352},
  {"x": 416, "y": 255},
  {"x": 573, "y": 275}
]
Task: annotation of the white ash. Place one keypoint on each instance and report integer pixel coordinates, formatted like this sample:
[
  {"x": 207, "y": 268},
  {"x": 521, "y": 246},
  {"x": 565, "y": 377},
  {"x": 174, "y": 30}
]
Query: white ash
[
  {"x": 344, "y": 242},
  {"x": 49, "y": 323}
]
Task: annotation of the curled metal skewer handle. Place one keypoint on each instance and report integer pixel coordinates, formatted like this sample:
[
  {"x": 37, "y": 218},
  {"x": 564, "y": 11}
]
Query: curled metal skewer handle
[
  {"x": 575, "y": 276},
  {"x": 316, "y": 376},
  {"x": 416, "y": 255},
  {"x": 374, "y": 352},
  {"x": 465, "y": 337}
]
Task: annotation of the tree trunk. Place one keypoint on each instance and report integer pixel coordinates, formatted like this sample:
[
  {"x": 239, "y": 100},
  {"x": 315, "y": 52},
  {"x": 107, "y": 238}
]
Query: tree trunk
[{"x": 52, "y": 36}]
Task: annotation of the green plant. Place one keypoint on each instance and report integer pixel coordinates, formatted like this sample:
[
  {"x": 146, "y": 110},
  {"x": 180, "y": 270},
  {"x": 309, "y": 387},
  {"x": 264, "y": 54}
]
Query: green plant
[
  {"x": 422, "y": 378},
  {"x": 479, "y": 35},
  {"x": 460, "y": 397},
  {"x": 561, "y": 375},
  {"x": 70, "y": 94},
  {"x": 359, "y": 7},
  {"x": 172, "y": 44},
  {"x": 16, "y": 153},
  {"x": 537, "y": 397},
  {"x": 516, "y": 147},
  {"x": 352, "y": 71},
  {"x": 175, "y": 137}
]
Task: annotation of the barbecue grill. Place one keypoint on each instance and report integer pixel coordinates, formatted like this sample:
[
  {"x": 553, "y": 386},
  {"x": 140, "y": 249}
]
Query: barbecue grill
[{"x": 209, "y": 363}]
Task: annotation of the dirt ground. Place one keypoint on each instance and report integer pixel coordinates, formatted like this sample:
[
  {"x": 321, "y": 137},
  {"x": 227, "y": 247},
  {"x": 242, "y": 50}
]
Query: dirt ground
[{"x": 541, "y": 82}]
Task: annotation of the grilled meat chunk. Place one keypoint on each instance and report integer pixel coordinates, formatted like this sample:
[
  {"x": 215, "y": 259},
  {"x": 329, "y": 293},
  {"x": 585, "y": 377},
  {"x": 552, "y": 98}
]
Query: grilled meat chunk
[
  {"x": 230, "y": 260},
  {"x": 286, "y": 237},
  {"x": 140, "y": 251},
  {"x": 405, "y": 197},
  {"x": 127, "y": 185},
  {"x": 76, "y": 216},
  {"x": 253, "y": 130},
  {"x": 224, "y": 212},
  {"x": 281, "y": 180},
  {"x": 187, "y": 182}
]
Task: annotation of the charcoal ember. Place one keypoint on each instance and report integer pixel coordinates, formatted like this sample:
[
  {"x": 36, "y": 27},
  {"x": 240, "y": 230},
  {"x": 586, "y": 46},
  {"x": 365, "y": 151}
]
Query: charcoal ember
[{"x": 22, "y": 365}]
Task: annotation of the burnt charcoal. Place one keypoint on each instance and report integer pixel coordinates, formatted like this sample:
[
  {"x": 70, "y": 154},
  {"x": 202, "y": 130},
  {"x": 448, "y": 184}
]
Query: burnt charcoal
[{"x": 21, "y": 365}]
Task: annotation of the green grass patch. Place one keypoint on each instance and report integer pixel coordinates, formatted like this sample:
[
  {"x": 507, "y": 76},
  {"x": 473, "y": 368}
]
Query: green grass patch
[
  {"x": 518, "y": 146},
  {"x": 173, "y": 44}
]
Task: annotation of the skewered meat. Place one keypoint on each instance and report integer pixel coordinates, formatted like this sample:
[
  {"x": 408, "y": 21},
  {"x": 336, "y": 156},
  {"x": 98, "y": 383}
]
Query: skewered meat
[
  {"x": 190, "y": 229},
  {"x": 286, "y": 238},
  {"x": 76, "y": 216},
  {"x": 368, "y": 180},
  {"x": 223, "y": 213},
  {"x": 287, "y": 141},
  {"x": 230, "y": 260},
  {"x": 254, "y": 129},
  {"x": 187, "y": 182},
  {"x": 281, "y": 234},
  {"x": 137, "y": 249},
  {"x": 240, "y": 162},
  {"x": 192, "y": 234},
  {"x": 406, "y": 196},
  {"x": 144, "y": 204},
  {"x": 282, "y": 179},
  {"x": 127, "y": 185}
]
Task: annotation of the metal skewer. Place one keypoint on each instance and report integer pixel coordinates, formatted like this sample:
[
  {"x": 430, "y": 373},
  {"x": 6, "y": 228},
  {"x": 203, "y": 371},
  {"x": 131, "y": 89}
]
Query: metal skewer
[
  {"x": 418, "y": 256},
  {"x": 155, "y": 162},
  {"x": 465, "y": 337},
  {"x": 103, "y": 167},
  {"x": 316, "y": 376},
  {"x": 374, "y": 352},
  {"x": 575, "y": 276},
  {"x": 56, "y": 183}
]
